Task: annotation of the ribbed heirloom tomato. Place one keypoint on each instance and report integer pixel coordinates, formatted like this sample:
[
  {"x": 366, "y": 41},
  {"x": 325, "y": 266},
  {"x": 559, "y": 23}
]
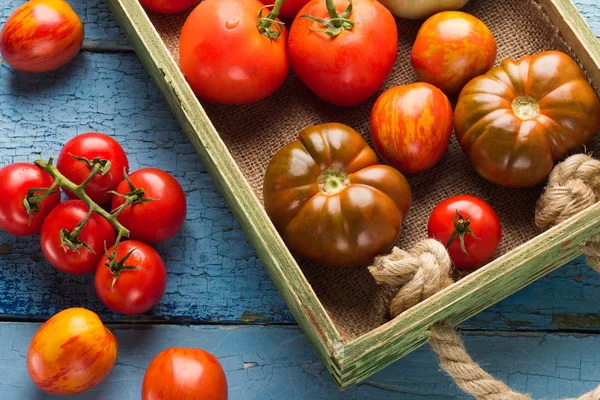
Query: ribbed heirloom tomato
[
  {"x": 71, "y": 353},
  {"x": 168, "y": 6},
  {"x": 41, "y": 36},
  {"x": 451, "y": 48},
  {"x": 349, "y": 62},
  {"x": 331, "y": 201},
  {"x": 518, "y": 119},
  {"x": 411, "y": 126}
]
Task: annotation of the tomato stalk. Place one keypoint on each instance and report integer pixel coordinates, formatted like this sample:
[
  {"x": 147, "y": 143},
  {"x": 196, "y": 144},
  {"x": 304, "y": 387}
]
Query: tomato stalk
[
  {"x": 461, "y": 228},
  {"x": 336, "y": 23},
  {"x": 264, "y": 24}
]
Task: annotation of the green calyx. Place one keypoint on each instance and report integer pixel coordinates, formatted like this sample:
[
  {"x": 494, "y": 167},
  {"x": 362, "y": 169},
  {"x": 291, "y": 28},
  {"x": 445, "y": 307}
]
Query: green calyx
[
  {"x": 336, "y": 23},
  {"x": 134, "y": 196},
  {"x": 461, "y": 228},
  {"x": 268, "y": 25},
  {"x": 116, "y": 267}
]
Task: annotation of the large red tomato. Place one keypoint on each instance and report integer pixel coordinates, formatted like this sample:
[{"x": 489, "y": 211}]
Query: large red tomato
[
  {"x": 96, "y": 233},
  {"x": 41, "y": 36},
  {"x": 227, "y": 58},
  {"x": 518, "y": 119},
  {"x": 331, "y": 201},
  {"x": 451, "y": 48},
  {"x": 135, "y": 283},
  {"x": 168, "y": 6},
  {"x": 184, "y": 374},
  {"x": 468, "y": 227},
  {"x": 411, "y": 126},
  {"x": 90, "y": 146},
  {"x": 17, "y": 179},
  {"x": 289, "y": 9},
  {"x": 159, "y": 213},
  {"x": 71, "y": 353},
  {"x": 352, "y": 65}
]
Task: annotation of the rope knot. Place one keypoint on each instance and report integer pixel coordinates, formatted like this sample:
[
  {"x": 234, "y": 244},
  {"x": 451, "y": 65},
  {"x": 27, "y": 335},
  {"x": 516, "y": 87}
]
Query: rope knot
[{"x": 421, "y": 272}]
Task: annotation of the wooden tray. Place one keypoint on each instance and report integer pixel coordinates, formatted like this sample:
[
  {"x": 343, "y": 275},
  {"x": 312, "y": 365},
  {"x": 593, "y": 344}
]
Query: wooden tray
[{"x": 342, "y": 311}]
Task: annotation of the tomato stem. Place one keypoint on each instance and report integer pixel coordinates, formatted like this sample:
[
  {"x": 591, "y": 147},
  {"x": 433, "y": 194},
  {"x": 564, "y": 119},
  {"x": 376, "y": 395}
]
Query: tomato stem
[
  {"x": 264, "y": 23},
  {"x": 461, "y": 228},
  {"x": 336, "y": 23}
]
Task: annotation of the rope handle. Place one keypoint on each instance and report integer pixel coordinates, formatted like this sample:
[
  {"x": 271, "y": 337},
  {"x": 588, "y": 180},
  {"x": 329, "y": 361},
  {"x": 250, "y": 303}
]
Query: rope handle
[{"x": 573, "y": 186}]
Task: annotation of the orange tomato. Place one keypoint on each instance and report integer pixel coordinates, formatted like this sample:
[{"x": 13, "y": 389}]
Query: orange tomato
[
  {"x": 452, "y": 48},
  {"x": 182, "y": 374},
  {"x": 71, "y": 353},
  {"x": 168, "y": 6},
  {"x": 41, "y": 36},
  {"x": 411, "y": 126}
]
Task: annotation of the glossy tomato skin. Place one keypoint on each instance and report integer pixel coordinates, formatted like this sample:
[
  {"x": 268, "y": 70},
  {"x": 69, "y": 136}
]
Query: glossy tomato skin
[
  {"x": 419, "y": 9},
  {"x": 451, "y": 48},
  {"x": 136, "y": 290},
  {"x": 330, "y": 200},
  {"x": 411, "y": 126},
  {"x": 71, "y": 353},
  {"x": 347, "y": 69},
  {"x": 16, "y": 180},
  {"x": 168, "y": 6},
  {"x": 160, "y": 219},
  {"x": 514, "y": 122},
  {"x": 290, "y": 8},
  {"x": 485, "y": 225},
  {"x": 184, "y": 374},
  {"x": 96, "y": 232},
  {"x": 224, "y": 57},
  {"x": 91, "y": 145},
  {"x": 41, "y": 36}
]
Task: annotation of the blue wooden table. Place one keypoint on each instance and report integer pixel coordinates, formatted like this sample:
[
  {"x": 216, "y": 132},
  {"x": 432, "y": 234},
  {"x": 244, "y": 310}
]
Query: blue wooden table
[{"x": 544, "y": 340}]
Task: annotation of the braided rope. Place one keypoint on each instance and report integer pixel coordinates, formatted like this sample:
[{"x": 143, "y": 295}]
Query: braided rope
[{"x": 572, "y": 186}]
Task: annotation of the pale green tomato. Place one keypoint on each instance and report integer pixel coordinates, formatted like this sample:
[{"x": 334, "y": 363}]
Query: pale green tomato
[{"x": 421, "y": 9}]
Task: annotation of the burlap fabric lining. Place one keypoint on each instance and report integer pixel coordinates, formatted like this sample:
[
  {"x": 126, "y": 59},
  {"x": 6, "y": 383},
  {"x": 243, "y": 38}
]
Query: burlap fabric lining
[{"x": 255, "y": 132}]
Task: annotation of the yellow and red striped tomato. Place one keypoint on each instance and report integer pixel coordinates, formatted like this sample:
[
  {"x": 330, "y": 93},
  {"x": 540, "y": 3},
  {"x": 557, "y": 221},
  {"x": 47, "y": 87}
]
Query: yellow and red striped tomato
[
  {"x": 71, "y": 353},
  {"x": 41, "y": 36},
  {"x": 452, "y": 48},
  {"x": 411, "y": 126}
]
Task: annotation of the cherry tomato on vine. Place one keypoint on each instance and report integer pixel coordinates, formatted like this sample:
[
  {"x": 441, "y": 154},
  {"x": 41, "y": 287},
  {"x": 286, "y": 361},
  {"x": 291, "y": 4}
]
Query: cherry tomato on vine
[
  {"x": 468, "y": 227},
  {"x": 89, "y": 146},
  {"x": 17, "y": 179},
  {"x": 183, "y": 373},
  {"x": 351, "y": 62},
  {"x": 135, "y": 282},
  {"x": 160, "y": 211},
  {"x": 168, "y": 6},
  {"x": 290, "y": 8},
  {"x": 228, "y": 56},
  {"x": 72, "y": 254}
]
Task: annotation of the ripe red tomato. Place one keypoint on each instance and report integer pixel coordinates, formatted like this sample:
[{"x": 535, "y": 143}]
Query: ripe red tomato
[
  {"x": 16, "y": 180},
  {"x": 168, "y": 6},
  {"x": 71, "y": 353},
  {"x": 346, "y": 69},
  {"x": 96, "y": 232},
  {"x": 290, "y": 8},
  {"x": 157, "y": 220},
  {"x": 411, "y": 126},
  {"x": 452, "y": 48},
  {"x": 41, "y": 36},
  {"x": 224, "y": 56},
  {"x": 136, "y": 284},
  {"x": 470, "y": 219},
  {"x": 89, "y": 146},
  {"x": 180, "y": 374}
]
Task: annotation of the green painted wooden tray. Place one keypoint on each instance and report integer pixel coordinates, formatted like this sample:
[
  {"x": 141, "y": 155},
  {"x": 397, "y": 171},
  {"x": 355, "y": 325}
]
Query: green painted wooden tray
[{"x": 342, "y": 312}]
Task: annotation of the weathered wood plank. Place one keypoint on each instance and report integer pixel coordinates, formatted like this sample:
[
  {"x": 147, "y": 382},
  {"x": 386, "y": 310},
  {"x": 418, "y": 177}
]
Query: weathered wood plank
[{"x": 277, "y": 363}]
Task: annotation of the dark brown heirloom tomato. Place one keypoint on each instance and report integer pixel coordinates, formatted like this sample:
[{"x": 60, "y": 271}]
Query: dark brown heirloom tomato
[
  {"x": 515, "y": 121},
  {"x": 331, "y": 201}
]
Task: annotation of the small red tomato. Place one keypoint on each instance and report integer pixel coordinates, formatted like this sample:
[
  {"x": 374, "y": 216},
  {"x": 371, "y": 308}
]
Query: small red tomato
[
  {"x": 452, "y": 48},
  {"x": 184, "y": 374},
  {"x": 136, "y": 281},
  {"x": 168, "y": 6},
  {"x": 468, "y": 227},
  {"x": 95, "y": 234},
  {"x": 41, "y": 36},
  {"x": 411, "y": 126},
  {"x": 90, "y": 146},
  {"x": 160, "y": 211},
  {"x": 17, "y": 179},
  {"x": 71, "y": 353},
  {"x": 226, "y": 58},
  {"x": 289, "y": 9}
]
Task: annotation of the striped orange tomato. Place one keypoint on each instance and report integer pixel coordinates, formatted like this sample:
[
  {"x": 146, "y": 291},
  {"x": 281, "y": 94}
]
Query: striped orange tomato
[
  {"x": 71, "y": 353},
  {"x": 411, "y": 126},
  {"x": 41, "y": 36}
]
